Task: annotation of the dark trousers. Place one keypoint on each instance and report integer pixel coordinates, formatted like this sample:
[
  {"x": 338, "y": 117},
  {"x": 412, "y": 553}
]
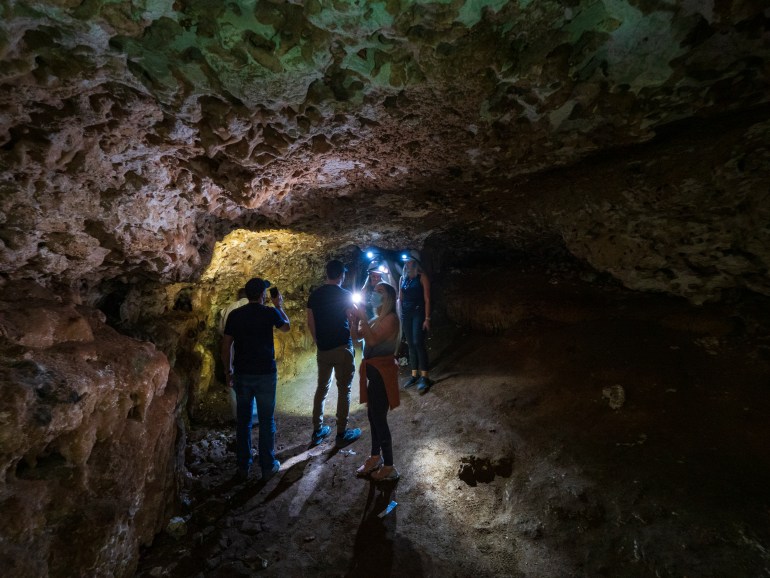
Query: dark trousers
[
  {"x": 415, "y": 338},
  {"x": 377, "y": 411},
  {"x": 248, "y": 388}
]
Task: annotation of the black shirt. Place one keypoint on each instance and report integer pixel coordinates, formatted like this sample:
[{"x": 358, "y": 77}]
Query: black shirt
[
  {"x": 251, "y": 328},
  {"x": 329, "y": 304},
  {"x": 412, "y": 294}
]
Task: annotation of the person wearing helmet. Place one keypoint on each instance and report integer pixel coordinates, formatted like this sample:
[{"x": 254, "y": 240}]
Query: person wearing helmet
[
  {"x": 374, "y": 276},
  {"x": 414, "y": 295}
]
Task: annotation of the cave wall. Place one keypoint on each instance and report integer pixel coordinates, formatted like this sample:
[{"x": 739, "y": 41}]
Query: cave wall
[
  {"x": 690, "y": 218},
  {"x": 88, "y": 440},
  {"x": 182, "y": 319}
]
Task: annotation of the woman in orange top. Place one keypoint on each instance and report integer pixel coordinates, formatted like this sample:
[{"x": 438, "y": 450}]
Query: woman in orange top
[{"x": 379, "y": 376}]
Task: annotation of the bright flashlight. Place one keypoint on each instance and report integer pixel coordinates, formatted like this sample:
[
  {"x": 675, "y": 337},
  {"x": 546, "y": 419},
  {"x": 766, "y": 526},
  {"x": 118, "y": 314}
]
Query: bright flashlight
[
  {"x": 369, "y": 255},
  {"x": 356, "y": 298},
  {"x": 404, "y": 257}
]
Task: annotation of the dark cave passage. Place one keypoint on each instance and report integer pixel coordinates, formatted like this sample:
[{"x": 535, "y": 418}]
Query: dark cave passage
[{"x": 600, "y": 431}]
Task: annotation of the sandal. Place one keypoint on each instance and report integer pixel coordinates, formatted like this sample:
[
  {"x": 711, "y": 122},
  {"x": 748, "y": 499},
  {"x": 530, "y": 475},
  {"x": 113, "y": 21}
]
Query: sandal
[
  {"x": 386, "y": 474},
  {"x": 370, "y": 465}
]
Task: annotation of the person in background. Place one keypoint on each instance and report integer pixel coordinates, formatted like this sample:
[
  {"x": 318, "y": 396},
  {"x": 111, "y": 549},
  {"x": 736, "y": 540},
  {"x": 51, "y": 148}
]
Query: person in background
[
  {"x": 240, "y": 302},
  {"x": 328, "y": 324},
  {"x": 414, "y": 296},
  {"x": 374, "y": 276},
  {"x": 249, "y": 330},
  {"x": 379, "y": 377}
]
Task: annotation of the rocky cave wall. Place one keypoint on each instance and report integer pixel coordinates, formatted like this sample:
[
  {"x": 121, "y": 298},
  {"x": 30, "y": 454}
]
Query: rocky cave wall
[
  {"x": 89, "y": 466},
  {"x": 182, "y": 319},
  {"x": 154, "y": 155}
]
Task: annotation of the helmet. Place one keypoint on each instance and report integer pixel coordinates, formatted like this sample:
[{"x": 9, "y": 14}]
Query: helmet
[{"x": 377, "y": 267}]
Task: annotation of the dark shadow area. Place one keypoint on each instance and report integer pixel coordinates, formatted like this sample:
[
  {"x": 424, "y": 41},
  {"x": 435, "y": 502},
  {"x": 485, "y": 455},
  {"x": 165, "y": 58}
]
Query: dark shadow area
[
  {"x": 601, "y": 432},
  {"x": 288, "y": 479},
  {"x": 378, "y": 550}
]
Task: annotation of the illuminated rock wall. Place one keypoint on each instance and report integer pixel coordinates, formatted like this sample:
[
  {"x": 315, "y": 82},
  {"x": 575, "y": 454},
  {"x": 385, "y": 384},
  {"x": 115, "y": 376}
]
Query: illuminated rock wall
[{"x": 87, "y": 439}]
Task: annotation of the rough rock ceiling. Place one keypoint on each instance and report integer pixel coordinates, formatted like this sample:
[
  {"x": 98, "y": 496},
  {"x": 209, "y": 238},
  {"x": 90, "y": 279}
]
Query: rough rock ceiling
[{"x": 135, "y": 134}]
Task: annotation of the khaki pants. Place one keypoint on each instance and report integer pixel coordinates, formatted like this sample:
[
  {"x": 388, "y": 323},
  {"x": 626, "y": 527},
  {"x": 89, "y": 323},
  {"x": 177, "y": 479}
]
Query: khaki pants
[{"x": 341, "y": 361}]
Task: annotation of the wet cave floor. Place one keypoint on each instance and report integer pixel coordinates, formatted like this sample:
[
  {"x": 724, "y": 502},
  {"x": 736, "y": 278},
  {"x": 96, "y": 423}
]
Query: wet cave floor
[{"x": 617, "y": 435}]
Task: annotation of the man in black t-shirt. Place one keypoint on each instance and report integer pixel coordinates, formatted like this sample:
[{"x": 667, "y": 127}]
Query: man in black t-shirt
[
  {"x": 328, "y": 324},
  {"x": 249, "y": 329}
]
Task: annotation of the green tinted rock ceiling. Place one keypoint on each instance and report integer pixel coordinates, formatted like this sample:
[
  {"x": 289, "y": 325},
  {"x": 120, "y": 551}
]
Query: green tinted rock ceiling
[{"x": 265, "y": 51}]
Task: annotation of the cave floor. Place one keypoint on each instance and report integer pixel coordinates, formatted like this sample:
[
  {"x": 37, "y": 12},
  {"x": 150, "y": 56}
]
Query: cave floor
[{"x": 629, "y": 439}]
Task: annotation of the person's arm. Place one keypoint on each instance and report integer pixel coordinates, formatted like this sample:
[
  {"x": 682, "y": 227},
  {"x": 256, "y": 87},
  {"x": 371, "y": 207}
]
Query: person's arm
[
  {"x": 426, "y": 297},
  {"x": 278, "y": 304},
  {"x": 311, "y": 324},
  {"x": 226, "y": 347},
  {"x": 354, "y": 322},
  {"x": 400, "y": 296},
  {"x": 382, "y": 331}
]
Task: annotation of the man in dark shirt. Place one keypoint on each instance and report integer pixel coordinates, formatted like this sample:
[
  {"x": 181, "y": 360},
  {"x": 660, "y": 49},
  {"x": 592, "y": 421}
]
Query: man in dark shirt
[
  {"x": 250, "y": 330},
  {"x": 328, "y": 324}
]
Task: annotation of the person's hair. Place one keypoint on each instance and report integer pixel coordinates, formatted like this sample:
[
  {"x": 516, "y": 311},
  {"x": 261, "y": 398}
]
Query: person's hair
[
  {"x": 334, "y": 269},
  {"x": 388, "y": 300},
  {"x": 417, "y": 265},
  {"x": 241, "y": 293},
  {"x": 255, "y": 287},
  {"x": 388, "y": 306}
]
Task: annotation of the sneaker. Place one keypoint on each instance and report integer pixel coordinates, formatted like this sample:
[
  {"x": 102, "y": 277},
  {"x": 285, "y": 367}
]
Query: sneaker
[
  {"x": 386, "y": 474},
  {"x": 423, "y": 384},
  {"x": 319, "y": 435},
  {"x": 371, "y": 465},
  {"x": 411, "y": 381},
  {"x": 348, "y": 437},
  {"x": 266, "y": 475}
]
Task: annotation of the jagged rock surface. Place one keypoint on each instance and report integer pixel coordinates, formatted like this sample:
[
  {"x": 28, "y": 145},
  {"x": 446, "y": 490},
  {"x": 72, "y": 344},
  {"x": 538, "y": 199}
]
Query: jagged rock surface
[
  {"x": 89, "y": 425},
  {"x": 135, "y": 135}
]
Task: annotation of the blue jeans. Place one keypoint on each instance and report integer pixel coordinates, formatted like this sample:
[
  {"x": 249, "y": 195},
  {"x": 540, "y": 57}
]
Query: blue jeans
[
  {"x": 262, "y": 388},
  {"x": 415, "y": 338}
]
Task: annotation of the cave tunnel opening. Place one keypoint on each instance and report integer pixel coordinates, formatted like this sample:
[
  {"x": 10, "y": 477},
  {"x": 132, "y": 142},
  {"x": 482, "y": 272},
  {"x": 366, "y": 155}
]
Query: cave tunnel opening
[{"x": 563, "y": 403}]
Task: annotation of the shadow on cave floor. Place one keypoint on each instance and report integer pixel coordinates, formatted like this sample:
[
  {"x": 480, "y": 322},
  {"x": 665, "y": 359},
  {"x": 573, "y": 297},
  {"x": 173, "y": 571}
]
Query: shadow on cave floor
[{"x": 624, "y": 437}]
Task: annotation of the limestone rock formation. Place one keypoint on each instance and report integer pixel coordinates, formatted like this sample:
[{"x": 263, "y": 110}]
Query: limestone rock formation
[
  {"x": 87, "y": 438},
  {"x": 135, "y": 135}
]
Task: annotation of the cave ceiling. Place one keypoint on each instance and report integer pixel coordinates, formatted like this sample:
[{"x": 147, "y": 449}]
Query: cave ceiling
[{"x": 133, "y": 135}]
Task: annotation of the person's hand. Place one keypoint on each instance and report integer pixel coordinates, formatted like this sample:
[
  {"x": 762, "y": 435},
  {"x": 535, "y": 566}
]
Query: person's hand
[
  {"x": 353, "y": 312},
  {"x": 277, "y": 300},
  {"x": 426, "y": 325}
]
